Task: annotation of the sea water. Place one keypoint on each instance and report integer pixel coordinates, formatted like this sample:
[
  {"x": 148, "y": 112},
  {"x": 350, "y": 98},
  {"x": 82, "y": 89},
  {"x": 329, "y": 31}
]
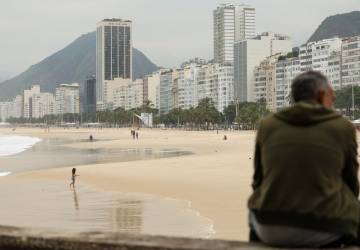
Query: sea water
[{"x": 11, "y": 145}]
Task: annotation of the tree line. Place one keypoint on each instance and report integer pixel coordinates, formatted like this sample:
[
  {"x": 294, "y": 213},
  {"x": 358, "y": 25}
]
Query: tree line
[{"x": 203, "y": 116}]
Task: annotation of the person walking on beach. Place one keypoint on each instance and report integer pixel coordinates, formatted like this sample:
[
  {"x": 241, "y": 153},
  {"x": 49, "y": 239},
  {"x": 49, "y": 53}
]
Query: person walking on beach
[
  {"x": 137, "y": 135},
  {"x": 305, "y": 185},
  {"x": 73, "y": 176}
]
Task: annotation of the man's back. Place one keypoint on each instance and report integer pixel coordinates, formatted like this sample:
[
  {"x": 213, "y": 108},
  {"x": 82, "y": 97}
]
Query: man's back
[{"x": 306, "y": 171}]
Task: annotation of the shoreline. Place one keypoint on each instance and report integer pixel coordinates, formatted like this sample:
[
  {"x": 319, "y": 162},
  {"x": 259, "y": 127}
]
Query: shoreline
[{"x": 215, "y": 179}]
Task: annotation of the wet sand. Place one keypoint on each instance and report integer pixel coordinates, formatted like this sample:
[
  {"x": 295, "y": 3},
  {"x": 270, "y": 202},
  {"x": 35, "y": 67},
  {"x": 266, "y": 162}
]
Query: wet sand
[{"x": 215, "y": 178}]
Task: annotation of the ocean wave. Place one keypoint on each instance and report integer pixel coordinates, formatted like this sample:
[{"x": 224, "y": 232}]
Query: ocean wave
[
  {"x": 11, "y": 145},
  {"x": 2, "y": 174}
]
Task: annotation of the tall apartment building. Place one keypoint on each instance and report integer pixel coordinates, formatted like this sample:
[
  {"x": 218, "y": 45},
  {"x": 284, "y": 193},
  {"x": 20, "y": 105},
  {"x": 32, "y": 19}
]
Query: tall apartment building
[
  {"x": 67, "y": 99},
  {"x": 17, "y": 106},
  {"x": 350, "y": 69},
  {"x": 151, "y": 88},
  {"x": 264, "y": 82},
  {"x": 42, "y": 104},
  {"x": 248, "y": 54},
  {"x": 187, "y": 85},
  {"x": 89, "y": 95},
  {"x": 286, "y": 70},
  {"x": 333, "y": 70},
  {"x": 316, "y": 55},
  {"x": 232, "y": 23},
  {"x": 165, "y": 91},
  {"x": 129, "y": 95},
  {"x": 113, "y": 56},
  {"x": 5, "y": 111},
  {"x": 216, "y": 81},
  {"x": 27, "y": 103}
]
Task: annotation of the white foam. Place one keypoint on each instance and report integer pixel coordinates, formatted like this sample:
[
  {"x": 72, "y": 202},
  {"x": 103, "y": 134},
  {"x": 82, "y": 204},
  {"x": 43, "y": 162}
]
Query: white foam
[
  {"x": 2, "y": 174},
  {"x": 11, "y": 145}
]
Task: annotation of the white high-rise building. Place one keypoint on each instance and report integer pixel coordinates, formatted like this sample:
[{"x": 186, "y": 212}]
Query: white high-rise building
[
  {"x": 113, "y": 55},
  {"x": 286, "y": 70},
  {"x": 67, "y": 99},
  {"x": 216, "y": 81},
  {"x": 17, "y": 107},
  {"x": 27, "y": 95},
  {"x": 165, "y": 91},
  {"x": 333, "y": 71},
  {"x": 129, "y": 95},
  {"x": 42, "y": 104},
  {"x": 248, "y": 54},
  {"x": 350, "y": 69},
  {"x": 264, "y": 82},
  {"x": 231, "y": 23},
  {"x": 315, "y": 55},
  {"x": 5, "y": 111},
  {"x": 151, "y": 88},
  {"x": 187, "y": 86}
]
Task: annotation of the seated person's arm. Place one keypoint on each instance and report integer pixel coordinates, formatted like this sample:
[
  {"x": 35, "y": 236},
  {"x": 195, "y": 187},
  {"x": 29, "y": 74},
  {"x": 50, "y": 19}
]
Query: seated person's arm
[{"x": 350, "y": 172}]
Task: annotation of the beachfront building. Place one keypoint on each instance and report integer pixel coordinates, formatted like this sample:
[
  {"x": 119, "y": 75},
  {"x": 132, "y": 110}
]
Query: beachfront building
[
  {"x": 129, "y": 95},
  {"x": 89, "y": 95},
  {"x": 264, "y": 82},
  {"x": 273, "y": 78},
  {"x": 187, "y": 85},
  {"x": 27, "y": 95},
  {"x": 316, "y": 55},
  {"x": 17, "y": 107},
  {"x": 165, "y": 88},
  {"x": 225, "y": 86},
  {"x": 333, "y": 71},
  {"x": 207, "y": 82},
  {"x": 248, "y": 54},
  {"x": 42, "y": 104},
  {"x": 231, "y": 23},
  {"x": 350, "y": 68},
  {"x": 287, "y": 68},
  {"x": 152, "y": 88},
  {"x": 113, "y": 57},
  {"x": 110, "y": 88},
  {"x": 5, "y": 111},
  {"x": 67, "y": 99},
  {"x": 215, "y": 81}
]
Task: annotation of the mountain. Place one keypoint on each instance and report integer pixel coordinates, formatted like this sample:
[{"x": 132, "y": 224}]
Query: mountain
[
  {"x": 71, "y": 64},
  {"x": 342, "y": 25}
]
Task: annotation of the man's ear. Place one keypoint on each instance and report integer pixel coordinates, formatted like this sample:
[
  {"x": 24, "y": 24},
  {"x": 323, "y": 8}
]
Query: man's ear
[{"x": 320, "y": 96}]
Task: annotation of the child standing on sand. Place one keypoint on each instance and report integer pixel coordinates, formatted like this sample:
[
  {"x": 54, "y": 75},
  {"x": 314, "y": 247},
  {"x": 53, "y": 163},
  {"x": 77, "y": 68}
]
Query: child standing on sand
[{"x": 73, "y": 176}]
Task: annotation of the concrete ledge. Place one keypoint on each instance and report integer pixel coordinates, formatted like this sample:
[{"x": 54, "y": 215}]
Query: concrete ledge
[{"x": 12, "y": 238}]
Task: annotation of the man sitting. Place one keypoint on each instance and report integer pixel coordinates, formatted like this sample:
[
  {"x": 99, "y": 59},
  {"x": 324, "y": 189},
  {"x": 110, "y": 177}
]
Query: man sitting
[{"x": 305, "y": 186}]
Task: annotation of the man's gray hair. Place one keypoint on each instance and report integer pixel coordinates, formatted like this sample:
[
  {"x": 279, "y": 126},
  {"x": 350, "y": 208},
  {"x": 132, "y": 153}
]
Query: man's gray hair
[{"x": 306, "y": 85}]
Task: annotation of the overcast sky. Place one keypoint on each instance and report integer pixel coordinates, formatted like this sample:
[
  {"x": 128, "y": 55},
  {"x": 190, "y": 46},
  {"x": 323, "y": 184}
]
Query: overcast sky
[{"x": 167, "y": 31}]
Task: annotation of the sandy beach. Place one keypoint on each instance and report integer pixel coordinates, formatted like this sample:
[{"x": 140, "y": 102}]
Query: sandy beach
[{"x": 215, "y": 177}]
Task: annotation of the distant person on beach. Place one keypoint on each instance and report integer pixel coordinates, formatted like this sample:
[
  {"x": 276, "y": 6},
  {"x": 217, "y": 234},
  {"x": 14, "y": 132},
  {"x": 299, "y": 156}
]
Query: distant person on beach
[
  {"x": 73, "y": 176},
  {"x": 305, "y": 185},
  {"x": 137, "y": 135},
  {"x": 91, "y": 138},
  {"x": 225, "y": 138}
]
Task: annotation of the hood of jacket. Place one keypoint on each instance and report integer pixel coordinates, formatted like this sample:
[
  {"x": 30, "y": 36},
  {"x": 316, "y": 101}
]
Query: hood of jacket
[{"x": 306, "y": 113}]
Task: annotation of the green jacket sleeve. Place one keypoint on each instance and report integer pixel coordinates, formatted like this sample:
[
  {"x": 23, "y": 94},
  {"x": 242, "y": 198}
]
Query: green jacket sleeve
[
  {"x": 258, "y": 176},
  {"x": 350, "y": 172}
]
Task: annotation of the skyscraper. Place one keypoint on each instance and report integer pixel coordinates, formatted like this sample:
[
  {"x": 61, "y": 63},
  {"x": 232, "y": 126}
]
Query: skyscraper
[
  {"x": 232, "y": 23},
  {"x": 113, "y": 54},
  {"x": 89, "y": 95}
]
